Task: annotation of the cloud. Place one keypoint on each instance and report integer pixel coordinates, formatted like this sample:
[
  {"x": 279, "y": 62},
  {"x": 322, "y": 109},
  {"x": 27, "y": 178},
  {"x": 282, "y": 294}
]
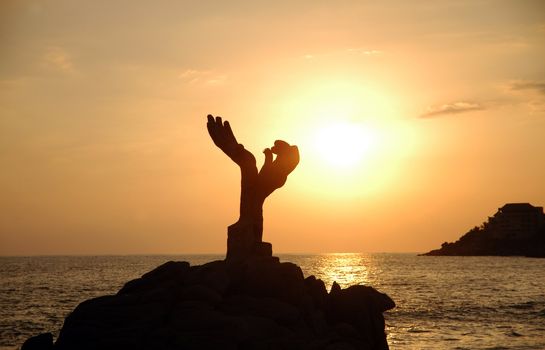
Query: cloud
[
  {"x": 350, "y": 51},
  {"x": 531, "y": 92},
  {"x": 366, "y": 52},
  {"x": 452, "y": 108},
  {"x": 529, "y": 85},
  {"x": 58, "y": 58},
  {"x": 193, "y": 76}
]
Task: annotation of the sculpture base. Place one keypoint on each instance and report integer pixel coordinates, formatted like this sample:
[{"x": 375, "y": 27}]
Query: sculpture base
[
  {"x": 263, "y": 249},
  {"x": 242, "y": 244}
]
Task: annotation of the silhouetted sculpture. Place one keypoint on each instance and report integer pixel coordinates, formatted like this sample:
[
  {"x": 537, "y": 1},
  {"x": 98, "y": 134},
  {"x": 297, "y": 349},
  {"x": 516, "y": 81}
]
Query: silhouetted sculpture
[{"x": 244, "y": 238}]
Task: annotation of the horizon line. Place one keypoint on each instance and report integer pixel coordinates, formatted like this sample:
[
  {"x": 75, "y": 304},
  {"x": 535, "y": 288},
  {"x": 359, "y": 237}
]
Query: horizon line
[{"x": 192, "y": 254}]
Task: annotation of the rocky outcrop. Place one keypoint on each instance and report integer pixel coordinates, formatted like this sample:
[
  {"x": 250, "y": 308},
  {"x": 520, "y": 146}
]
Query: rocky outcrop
[
  {"x": 257, "y": 304},
  {"x": 515, "y": 229},
  {"x": 39, "y": 342}
]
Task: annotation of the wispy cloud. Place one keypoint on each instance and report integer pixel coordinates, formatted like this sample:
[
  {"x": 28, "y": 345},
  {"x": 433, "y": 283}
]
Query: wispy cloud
[
  {"x": 532, "y": 93},
  {"x": 350, "y": 51},
  {"x": 451, "y": 108},
  {"x": 529, "y": 85},
  {"x": 193, "y": 76},
  {"x": 58, "y": 58},
  {"x": 363, "y": 51}
]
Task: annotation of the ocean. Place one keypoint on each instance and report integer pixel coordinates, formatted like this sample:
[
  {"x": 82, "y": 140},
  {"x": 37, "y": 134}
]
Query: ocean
[{"x": 442, "y": 302}]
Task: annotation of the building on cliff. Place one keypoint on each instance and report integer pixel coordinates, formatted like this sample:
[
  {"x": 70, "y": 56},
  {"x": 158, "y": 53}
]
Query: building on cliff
[
  {"x": 515, "y": 229},
  {"x": 516, "y": 221}
]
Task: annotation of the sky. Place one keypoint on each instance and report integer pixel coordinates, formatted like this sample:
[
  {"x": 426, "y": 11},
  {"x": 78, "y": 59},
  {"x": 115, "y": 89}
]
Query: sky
[{"x": 415, "y": 121}]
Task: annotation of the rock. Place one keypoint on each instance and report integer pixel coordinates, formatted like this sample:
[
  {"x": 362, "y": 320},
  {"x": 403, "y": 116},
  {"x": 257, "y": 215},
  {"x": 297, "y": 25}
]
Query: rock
[
  {"x": 214, "y": 274},
  {"x": 346, "y": 329},
  {"x": 341, "y": 346},
  {"x": 360, "y": 307},
  {"x": 316, "y": 290},
  {"x": 317, "y": 321},
  {"x": 276, "y": 310},
  {"x": 267, "y": 278},
  {"x": 259, "y": 303},
  {"x": 119, "y": 319},
  {"x": 164, "y": 276},
  {"x": 198, "y": 293},
  {"x": 335, "y": 288},
  {"x": 170, "y": 269},
  {"x": 42, "y": 341},
  {"x": 369, "y": 296}
]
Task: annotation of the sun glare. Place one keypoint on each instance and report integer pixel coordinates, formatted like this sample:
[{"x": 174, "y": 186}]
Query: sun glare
[
  {"x": 339, "y": 118},
  {"x": 350, "y": 135},
  {"x": 343, "y": 144}
]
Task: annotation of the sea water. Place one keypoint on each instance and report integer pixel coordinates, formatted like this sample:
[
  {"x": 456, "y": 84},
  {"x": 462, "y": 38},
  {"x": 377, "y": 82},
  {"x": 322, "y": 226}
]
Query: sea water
[{"x": 442, "y": 302}]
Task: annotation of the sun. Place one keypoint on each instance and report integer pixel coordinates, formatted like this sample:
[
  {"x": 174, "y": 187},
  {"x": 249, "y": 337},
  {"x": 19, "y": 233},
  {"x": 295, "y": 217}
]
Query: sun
[
  {"x": 343, "y": 144},
  {"x": 350, "y": 135},
  {"x": 341, "y": 122}
]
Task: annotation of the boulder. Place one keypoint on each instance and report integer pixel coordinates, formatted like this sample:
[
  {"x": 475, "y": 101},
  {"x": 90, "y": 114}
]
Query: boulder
[
  {"x": 268, "y": 278},
  {"x": 164, "y": 276},
  {"x": 315, "y": 288},
  {"x": 280, "y": 312},
  {"x": 214, "y": 275},
  {"x": 361, "y": 307},
  {"x": 42, "y": 341}
]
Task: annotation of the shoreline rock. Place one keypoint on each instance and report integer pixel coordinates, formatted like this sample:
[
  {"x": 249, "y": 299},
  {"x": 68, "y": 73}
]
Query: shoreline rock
[{"x": 259, "y": 303}]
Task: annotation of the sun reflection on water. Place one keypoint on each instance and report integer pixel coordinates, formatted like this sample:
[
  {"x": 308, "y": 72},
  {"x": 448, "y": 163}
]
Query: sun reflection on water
[{"x": 344, "y": 268}]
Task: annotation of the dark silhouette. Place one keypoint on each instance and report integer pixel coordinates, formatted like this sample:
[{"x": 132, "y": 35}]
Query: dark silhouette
[
  {"x": 251, "y": 304},
  {"x": 250, "y": 300},
  {"x": 515, "y": 229},
  {"x": 245, "y": 236}
]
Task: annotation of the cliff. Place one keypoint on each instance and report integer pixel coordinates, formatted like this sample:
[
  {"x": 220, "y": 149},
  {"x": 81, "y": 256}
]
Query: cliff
[{"x": 515, "y": 229}]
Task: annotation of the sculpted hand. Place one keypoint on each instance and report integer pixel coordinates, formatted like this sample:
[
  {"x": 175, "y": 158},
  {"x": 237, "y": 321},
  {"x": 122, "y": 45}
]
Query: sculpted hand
[
  {"x": 223, "y": 137},
  {"x": 274, "y": 173}
]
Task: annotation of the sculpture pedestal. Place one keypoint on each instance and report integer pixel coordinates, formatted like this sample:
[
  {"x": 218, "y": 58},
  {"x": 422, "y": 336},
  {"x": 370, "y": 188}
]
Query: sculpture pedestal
[
  {"x": 263, "y": 249},
  {"x": 242, "y": 243}
]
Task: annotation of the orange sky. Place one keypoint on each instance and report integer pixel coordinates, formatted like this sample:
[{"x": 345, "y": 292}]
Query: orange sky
[{"x": 104, "y": 149}]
